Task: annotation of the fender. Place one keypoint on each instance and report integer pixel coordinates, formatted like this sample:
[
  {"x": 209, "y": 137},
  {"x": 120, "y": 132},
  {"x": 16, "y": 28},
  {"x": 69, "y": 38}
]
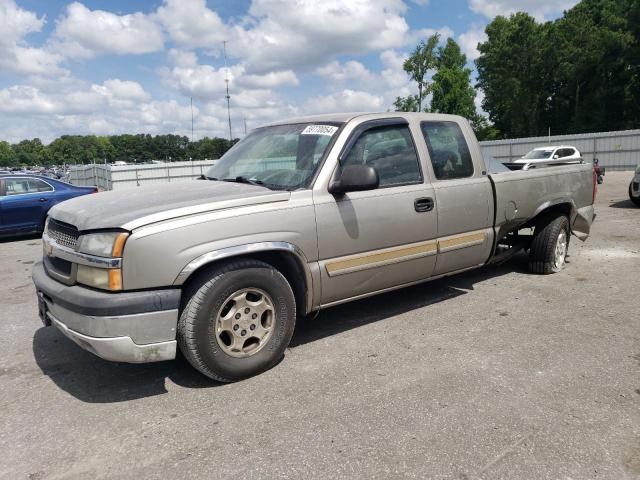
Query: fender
[{"x": 246, "y": 249}]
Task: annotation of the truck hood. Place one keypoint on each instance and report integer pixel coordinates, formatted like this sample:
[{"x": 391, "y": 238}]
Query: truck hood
[{"x": 136, "y": 207}]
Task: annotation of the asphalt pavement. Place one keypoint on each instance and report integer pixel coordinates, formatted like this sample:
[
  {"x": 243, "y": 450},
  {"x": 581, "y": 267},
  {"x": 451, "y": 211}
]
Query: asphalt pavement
[{"x": 492, "y": 374}]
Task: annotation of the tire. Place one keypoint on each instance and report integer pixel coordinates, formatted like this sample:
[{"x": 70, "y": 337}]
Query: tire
[
  {"x": 635, "y": 200},
  {"x": 542, "y": 255},
  {"x": 207, "y": 300}
]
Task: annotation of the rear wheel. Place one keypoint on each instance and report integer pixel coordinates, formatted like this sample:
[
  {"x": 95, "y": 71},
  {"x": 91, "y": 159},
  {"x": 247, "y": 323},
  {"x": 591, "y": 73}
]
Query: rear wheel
[
  {"x": 550, "y": 245},
  {"x": 635, "y": 200},
  {"x": 238, "y": 321}
]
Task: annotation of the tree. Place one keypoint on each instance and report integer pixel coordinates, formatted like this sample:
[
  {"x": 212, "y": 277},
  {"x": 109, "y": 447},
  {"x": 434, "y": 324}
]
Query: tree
[
  {"x": 452, "y": 89},
  {"x": 7, "y": 158},
  {"x": 580, "y": 73},
  {"x": 407, "y": 104},
  {"x": 418, "y": 65},
  {"x": 512, "y": 74},
  {"x": 29, "y": 152}
]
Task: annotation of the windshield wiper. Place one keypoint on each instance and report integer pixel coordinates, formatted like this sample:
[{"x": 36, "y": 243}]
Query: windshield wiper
[{"x": 241, "y": 179}]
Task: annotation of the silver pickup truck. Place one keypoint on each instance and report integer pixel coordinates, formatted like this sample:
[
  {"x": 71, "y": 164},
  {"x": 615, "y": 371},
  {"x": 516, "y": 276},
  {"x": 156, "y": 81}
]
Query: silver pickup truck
[{"x": 299, "y": 216}]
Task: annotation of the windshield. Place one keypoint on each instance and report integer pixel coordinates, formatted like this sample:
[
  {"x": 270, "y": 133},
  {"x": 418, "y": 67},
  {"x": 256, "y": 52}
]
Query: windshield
[
  {"x": 538, "y": 154},
  {"x": 282, "y": 157}
]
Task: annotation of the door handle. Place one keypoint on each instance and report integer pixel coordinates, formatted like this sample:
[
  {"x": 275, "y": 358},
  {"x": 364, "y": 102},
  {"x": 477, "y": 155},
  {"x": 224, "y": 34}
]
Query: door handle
[
  {"x": 42, "y": 199},
  {"x": 423, "y": 204}
]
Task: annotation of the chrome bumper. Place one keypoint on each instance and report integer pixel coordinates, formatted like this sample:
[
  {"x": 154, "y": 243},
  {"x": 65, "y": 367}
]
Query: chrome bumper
[
  {"x": 118, "y": 349},
  {"x": 134, "y": 327}
]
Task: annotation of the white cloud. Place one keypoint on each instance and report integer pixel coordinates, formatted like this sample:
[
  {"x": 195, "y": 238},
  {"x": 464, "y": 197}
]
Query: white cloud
[
  {"x": 208, "y": 83},
  {"x": 15, "y": 23},
  {"x": 271, "y": 49},
  {"x": 277, "y": 36},
  {"x": 416, "y": 36},
  {"x": 540, "y": 9},
  {"x": 84, "y": 33},
  {"x": 269, "y": 80},
  {"x": 125, "y": 89},
  {"x": 470, "y": 39},
  {"x": 351, "y": 70},
  {"x": 15, "y": 55},
  {"x": 26, "y": 99},
  {"x": 344, "y": 101},
  {"x": 191, "y": 24}
]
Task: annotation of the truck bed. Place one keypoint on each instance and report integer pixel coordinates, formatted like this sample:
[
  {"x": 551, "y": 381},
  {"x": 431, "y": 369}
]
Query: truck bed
[{"x": 521, "y": 195}]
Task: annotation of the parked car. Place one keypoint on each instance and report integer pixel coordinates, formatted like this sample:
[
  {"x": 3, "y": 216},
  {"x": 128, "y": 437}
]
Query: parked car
[
  {"x": 634, "y": 187},
  {"x": 26, "y": 199},
  {"x": 355, "y": 205},
  {"x": 551, "y": 155}
]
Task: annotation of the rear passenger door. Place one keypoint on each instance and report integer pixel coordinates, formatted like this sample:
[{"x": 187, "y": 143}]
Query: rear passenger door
[{"x": 464, "y": 196}]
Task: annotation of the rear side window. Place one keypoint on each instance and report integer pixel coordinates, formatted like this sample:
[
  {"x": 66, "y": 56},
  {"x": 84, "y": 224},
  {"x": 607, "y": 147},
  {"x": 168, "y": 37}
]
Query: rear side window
[
  {"x": 390, "y": 151},
  {"x": 17, "y": 186},
  {"x": 36, "y": 185},
  {"x": 566, "y": 152},
  {"x": 448, "y": 150}
]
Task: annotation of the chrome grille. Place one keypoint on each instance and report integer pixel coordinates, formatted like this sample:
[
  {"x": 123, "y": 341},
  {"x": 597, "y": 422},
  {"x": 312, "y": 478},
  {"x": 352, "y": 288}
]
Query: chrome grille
[{"x": 63, "y": 234}]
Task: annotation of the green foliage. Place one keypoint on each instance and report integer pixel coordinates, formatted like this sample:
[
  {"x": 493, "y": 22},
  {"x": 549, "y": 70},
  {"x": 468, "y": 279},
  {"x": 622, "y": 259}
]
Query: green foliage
[
  {"x": 74, "y": 149},
  {"x": 422, "y": 60},
  {"x": 7, "y": 158},
  {"x": 579, "y": 73},
  {"x": 407, "y": 104},
  {"x": 452, "y": 90},
  {"x": 513, "y": 75}
]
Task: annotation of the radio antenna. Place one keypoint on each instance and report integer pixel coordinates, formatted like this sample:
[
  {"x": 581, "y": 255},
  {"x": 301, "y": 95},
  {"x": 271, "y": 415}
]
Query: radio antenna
[{"x": 226, "y": 81}]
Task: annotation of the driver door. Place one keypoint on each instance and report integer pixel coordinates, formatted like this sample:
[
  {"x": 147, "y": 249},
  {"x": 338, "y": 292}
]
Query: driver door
[{"x": 374, "y": 240}]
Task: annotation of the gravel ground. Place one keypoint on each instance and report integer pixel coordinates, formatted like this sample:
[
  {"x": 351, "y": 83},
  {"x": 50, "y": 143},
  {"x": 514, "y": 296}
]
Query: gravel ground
[{"x": 492, "y": 374}]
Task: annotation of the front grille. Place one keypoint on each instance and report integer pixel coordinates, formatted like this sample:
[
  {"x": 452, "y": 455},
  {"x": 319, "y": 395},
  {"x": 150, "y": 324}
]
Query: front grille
[{"x": 63, "y": 234}]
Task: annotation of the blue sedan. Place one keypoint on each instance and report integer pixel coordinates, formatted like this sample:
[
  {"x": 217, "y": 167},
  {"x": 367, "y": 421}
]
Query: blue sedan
[{"x": 26, "y": 199}]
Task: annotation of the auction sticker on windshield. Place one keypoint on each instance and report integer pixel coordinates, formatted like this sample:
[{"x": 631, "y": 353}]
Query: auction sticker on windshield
[{"x": 319, "y": 130}]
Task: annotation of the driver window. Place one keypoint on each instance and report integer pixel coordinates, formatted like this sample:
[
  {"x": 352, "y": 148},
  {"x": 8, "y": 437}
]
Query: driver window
[{"x": 390, "y": 151}]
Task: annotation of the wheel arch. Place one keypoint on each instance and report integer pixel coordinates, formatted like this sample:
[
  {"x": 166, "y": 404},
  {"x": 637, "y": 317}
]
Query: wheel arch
[
  {"x": 285, "y": 257},
  {"x": 563, "y": 206}
]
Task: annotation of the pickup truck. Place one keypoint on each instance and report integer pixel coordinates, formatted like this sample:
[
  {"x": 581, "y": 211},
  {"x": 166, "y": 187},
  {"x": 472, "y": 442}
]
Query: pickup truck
[{"x": 299, "y": 216}]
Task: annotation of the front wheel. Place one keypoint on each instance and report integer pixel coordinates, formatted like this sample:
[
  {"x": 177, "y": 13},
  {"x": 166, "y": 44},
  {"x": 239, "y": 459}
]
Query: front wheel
[
  {"x": 238, "y": 321},
  {"x": 550, "y": 245}
]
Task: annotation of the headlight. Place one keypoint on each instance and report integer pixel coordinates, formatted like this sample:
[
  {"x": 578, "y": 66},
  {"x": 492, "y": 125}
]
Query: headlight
[
  {"x": 107, "y": 244},
  {"x": 103, "y": 278},
  {"x": 103, "y": 244},
  {"x": 45, "y": 230}
]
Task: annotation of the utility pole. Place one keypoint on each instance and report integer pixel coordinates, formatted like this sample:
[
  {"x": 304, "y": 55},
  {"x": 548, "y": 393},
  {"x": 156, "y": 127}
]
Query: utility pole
[
  {"x": 191, "y": 99},
  {"x": 226, "y": 81}
]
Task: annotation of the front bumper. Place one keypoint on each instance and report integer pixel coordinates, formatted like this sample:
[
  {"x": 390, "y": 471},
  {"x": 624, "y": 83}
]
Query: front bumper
[{"x": 133, "y": 327}]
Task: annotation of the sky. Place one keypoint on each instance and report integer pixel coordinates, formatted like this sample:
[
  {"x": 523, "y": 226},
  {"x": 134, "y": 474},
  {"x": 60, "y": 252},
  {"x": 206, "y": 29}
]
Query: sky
[{"x": 113, "y": 66}]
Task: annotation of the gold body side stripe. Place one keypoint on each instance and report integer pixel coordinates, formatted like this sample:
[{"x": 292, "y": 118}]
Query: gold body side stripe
[
  {"x": 379, "y": 258},
  {"x": 388, "y": 256},
  {"x": 447, "y": 244}
]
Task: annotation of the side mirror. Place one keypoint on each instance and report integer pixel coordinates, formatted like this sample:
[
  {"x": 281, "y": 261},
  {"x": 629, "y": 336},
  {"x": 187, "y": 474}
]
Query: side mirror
[
  {"x": 555, "y": 157},
  {"x": 355, "y": 178}
]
